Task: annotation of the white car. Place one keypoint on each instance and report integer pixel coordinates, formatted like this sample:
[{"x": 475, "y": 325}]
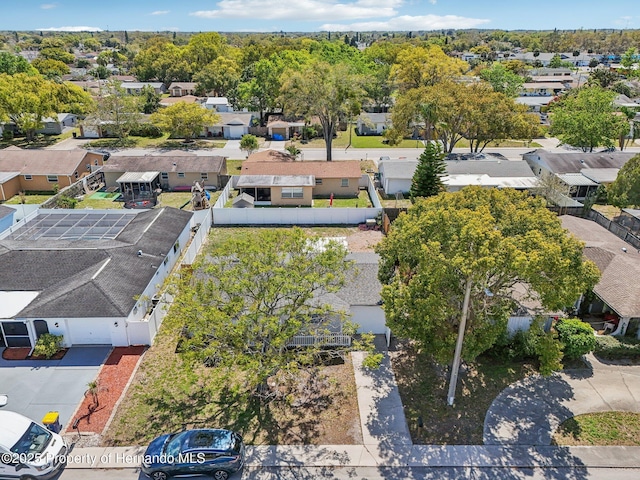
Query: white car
[{"x": 27, "y": 449}]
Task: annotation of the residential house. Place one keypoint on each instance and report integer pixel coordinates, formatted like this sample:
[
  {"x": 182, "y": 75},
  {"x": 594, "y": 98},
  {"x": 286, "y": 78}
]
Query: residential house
[
  {"x": 168, "y": 101},
  {"x": 276, "y": 178},
  {"x": 56, "y": 126},
  {"x": 583, "y": 171},
  {"x": 361, "y": 292},
  {"x": 181, "y": 89},
  {"x": 6, "y": 217},
  {"x": 135, "y": 88},
  {"x": 542, "y": 89},
  {"x": 43, "y": 170},
  {"x": 89, "y": 275},
  {"x": 486, "y": 170},
  {"x": 373, "y": 123},
  {"x": 219, "y": 104},
  {"x": 175, "y": 170},
  {"x": 232, "y": 125},
  {"x": 280, "y": 129},
  {"x": 619, "y": 264}
]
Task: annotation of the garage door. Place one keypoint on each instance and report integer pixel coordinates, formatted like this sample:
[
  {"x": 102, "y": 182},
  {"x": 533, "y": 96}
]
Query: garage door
[
  {"x": 87, "y": 331},
  {"x": 236, "y": 132}
]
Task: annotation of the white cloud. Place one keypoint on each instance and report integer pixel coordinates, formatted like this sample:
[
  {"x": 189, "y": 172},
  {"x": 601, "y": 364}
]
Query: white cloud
[
  {"x": 408, "y": 23},
  {"x": 319, "y": 10},
  {"x": 48, "y": 6},
  {"x": 70, "y": 29},
  {"x": 160, "y": 12},
  {"x": 433, "y": 2}
]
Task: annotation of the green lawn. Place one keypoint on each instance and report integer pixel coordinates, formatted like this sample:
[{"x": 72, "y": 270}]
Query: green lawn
[
  {"x": 600, "y": 429},
  {"x": 28, "y": 199},
  {"x": 40, "y": 141},
  {"x": 234, "y": 167},
  {"x": 362, "y": 200},
  {"x": 175, "y": 199},
  {"x": 376, "y": 141},
  {"x": 423, "y": 388},
  {"x": 98, "y": 204},
  {"x": 162, "y": 142}
]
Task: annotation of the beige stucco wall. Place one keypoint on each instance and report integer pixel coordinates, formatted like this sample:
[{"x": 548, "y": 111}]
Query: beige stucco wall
[
  {"x": 10, "y": 188},
  {"x": 39, "y": 183},
  {"x": 276, "y": 197},
  {"x": 173, "y": 180},
  {"x": 334, "y": 185}
]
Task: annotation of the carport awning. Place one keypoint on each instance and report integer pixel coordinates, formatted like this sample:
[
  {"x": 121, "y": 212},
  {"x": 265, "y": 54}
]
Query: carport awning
[
  {"x": 12, "y": 303},
  {"x": 138, "y": 177},
  {"x": 265, "y": 181}
]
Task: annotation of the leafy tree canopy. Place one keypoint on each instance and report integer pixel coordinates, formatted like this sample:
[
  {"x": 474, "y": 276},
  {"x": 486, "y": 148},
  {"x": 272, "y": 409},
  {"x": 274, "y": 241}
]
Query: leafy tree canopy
[
  {"x": 251, "y": 294},
  {"x": 625, "y": 190},
  {"x": 184, "y": 120},
  {"x": 490, "y": 239},
  {"x": 587, "y": 118},
  {"x": 322, "y": 90},
  {"x": 12, "y": 64},
  {"x": 427, "y": 179}
]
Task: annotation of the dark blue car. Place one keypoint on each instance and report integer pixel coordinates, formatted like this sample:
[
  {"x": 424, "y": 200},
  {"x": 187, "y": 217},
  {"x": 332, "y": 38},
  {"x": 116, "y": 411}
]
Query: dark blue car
[{"x": 213, "y": 452}]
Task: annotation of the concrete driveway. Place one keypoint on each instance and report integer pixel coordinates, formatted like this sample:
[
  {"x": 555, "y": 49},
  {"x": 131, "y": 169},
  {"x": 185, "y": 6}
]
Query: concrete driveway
[{"x": 36, "y": 387}]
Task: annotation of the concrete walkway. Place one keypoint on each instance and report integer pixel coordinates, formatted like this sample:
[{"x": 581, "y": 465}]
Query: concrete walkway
[
  {"x": 384, "y": 427},
  {"x": 528, "y": 412}
]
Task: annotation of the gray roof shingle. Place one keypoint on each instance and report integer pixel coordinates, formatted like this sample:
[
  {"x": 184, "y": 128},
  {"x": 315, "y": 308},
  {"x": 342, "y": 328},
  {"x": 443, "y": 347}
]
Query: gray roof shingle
[
  {"x": 618, "y": 267},
  {"x": 63, "y": 271}
]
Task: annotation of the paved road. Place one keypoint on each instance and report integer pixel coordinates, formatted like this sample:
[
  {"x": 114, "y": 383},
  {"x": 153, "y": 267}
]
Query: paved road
[
  {"x": 388, "y": 473},
  {"x": 529, "y": 412}
]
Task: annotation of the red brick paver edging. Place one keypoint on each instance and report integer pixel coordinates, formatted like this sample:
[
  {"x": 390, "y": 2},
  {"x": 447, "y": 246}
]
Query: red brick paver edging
[{"x": 112, "y": 379}]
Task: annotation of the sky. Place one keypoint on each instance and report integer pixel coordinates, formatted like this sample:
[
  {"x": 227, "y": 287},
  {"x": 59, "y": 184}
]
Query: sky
[{"x": 315, "y": 15}]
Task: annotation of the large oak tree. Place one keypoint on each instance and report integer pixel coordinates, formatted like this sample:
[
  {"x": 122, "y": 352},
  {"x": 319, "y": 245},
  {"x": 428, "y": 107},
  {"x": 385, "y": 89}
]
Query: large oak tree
[{"x": 489, "y": 241}]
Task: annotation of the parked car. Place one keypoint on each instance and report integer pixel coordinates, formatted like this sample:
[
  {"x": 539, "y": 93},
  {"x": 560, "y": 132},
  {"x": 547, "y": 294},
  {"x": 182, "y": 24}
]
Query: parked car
[
  {"x": 28, "y": 449},
  {"x": 214, "y": 452}
]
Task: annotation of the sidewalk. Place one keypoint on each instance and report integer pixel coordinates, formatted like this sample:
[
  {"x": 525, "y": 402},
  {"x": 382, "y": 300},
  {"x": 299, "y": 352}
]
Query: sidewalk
[{"x": 406, "y": 456}]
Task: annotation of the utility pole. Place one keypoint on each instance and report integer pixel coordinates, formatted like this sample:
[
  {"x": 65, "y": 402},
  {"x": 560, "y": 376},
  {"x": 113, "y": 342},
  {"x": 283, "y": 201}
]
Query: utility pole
[{"x": 456, "y": 357}]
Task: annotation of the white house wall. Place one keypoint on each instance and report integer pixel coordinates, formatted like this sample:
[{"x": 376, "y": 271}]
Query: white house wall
[
  {"x": 370, "y": 318},
  {"x": 393, "y": 186}
]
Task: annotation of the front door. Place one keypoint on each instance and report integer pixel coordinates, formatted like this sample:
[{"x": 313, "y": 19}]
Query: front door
[
  {"x": 16, "y": 334},
  {"x": 41, "y": 327}
]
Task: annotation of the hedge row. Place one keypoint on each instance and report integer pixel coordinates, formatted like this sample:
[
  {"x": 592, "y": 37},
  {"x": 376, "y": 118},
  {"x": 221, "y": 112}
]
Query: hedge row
[{"x": 617, "y": 348}]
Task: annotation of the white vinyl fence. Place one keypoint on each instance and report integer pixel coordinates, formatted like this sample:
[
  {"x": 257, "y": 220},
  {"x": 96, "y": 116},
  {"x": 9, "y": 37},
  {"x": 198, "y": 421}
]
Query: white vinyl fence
[
  {"x": 202, "y": 221},
  {"x": 294, "y": 216}
]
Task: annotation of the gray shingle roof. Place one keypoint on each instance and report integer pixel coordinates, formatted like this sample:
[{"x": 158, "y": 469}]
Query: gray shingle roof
[
  {"x": 574, "y": 162},
  {"x": 167, "y": 162},
  {"x": 64, "y": 271},
  {"x": 362, "y": 286},
  {"x": 618, "y": 268}
]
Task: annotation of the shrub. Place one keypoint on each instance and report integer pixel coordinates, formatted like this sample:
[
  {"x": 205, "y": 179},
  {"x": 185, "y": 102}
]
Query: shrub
[
  {"x": 48, "y": 345},
  {"x": 617, "y": 348},
  {"x": 532, "y": 343},
  {"x": 577, "y": 336},
  {"x": 66, "y": 202},
  {"x": 146, "y": 130}
]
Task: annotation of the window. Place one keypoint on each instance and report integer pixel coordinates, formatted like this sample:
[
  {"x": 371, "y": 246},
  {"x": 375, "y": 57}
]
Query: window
[
  {"x": 176, "y": 247},
  {"x": 164, "y": 175},
  {"x": 75, "y": 174},
  {"x": 292, "y": 192},
  {"x": 204, "y": 176},
  {"x": 345, "y": 182},
  {"x": 28, "y": 177},
  {"x": 52, "y": 178},
  {"x": 318, "y": 181},
  {"x": 180, "y": 174}
]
